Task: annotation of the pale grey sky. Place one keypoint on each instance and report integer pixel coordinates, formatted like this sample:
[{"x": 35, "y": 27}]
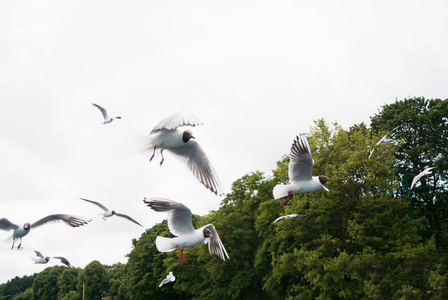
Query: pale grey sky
[{"x": 255, "y": 72}]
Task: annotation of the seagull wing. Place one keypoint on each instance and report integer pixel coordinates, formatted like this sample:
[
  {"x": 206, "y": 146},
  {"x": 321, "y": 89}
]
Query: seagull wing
[
  {"x": 420, "y": 175},
  {"x": 96, "y": 203},
  {"x": 67, "y": 219},
  {"x": 278, "y": 219},
  {"x": 301, "y": 161},
  {"x": 63, "y": 260},
  {"x": 38, "y": 254},
  {"x": 179, "y": 216},
  {"x": 197, "y": 161},
  {"x": 103, "y": 111},
  {"x": 5, "y": 224},
  {"x": 128, "y": 217},
  {"x": 177, "y": 120},
  {"x": 215, "y": 246}
]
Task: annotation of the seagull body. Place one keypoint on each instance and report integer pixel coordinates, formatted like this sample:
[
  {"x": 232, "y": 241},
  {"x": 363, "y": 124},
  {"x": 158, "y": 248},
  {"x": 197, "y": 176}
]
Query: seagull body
[
  {"x": 106, "y": 117},
  {"x": 109, "y": 213},
  {"x": 384, "y": 139},
  {"x": 167, "y": 135},
  {"x": 427, "y": 171},
  {"x": 287, "y": 217},
  {"x": 20, "y": 232},
  {"x": 179, "y": 223},
  {"x": 40, "y": 259},
  {"x": 169, "y": 278},
  {"x": 300, "y": 176}
]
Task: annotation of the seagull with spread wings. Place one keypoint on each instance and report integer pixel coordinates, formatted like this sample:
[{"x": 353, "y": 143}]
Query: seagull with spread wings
[
  {"x": 384, "y": 139},
  {"x": 426, "y": 171},
  {"x": 20, "y": 232},
  {"x": 179, "y": 223},
  {"x": 40, "y": 259},
  {"x": 109, "y": 213},
  {"x": 167, "y": 135},
  {"x": 300, "y": 176},
  {"x": 169, "y": 278},
  {"x": 103, "y": 111},
  {"x": 288, "y": 217}
]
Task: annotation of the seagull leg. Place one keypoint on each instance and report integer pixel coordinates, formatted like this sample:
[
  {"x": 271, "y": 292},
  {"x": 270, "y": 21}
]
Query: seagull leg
[
  {"x": 20, "y": 243},
  {"x": 153, "y": 153},
  {"x": 181, "y": 254},
  {"x": 287, "y": 199},
  {"x": 161, "y": 153},
  {"x": 13, "y": 240}
]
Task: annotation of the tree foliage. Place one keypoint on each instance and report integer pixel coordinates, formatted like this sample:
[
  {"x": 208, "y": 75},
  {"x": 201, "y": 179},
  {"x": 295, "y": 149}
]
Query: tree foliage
[{"x": 93, "y": 281}]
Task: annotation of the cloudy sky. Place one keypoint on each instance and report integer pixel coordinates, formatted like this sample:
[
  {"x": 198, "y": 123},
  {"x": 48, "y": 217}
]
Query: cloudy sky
[{"x": 255, "y": 72}]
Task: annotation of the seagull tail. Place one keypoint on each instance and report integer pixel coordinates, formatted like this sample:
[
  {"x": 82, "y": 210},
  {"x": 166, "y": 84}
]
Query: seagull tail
[
  {"x": 280, "y": 190},
  {"x": 164, "y": 244}
]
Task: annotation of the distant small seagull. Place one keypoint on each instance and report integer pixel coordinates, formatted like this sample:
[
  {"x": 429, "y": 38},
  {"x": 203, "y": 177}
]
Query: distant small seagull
[
  {"x": 300, "y": 172},
  {"x": 19, "y": 232},
  {"x": 179, "y": 223},
  {"x": 40, "y": 259},
  {"x": 427, "y": 171},
  {"x": 167, "y": 135},
  {"x": 106, "y": 117},
  {"x": 64, "y": 261},
  {"x": 169, "y": 278},
  {"x": 109, "y": 213},
  {"x": 288, "y": 217},
  {"x": 384, "y": 139}
]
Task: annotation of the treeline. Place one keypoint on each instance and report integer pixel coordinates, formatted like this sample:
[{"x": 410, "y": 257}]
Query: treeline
[{"x": 370, "y": 236}]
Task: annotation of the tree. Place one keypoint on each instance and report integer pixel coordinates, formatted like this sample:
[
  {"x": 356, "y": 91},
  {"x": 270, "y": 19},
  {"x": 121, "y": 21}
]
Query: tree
[
  {"x": 94, "y": 280},
  {"x": 67, "y": 281},
  {"x": 45, "y": 284}
]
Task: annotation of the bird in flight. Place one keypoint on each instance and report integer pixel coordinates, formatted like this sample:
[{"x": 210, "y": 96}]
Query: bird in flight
[
  {"x": 169, "y": 278},
  {"x": 426, "y": 171},
  {"x": 106, "y": 117},
  {"x": 384, "y": 139}
]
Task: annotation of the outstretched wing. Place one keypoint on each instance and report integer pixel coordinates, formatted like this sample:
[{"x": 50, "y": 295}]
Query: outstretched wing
[
  {"x": 301, "y": 161},
  {"x": 96, "y": 203},
  {"x": 38, "y": 254},
  {"x": 103, "y": 111},
  {"x": 420, "y": 175},
  {"x": 5, "y": 224},
  {"x": 179, "y": 216},
  {"x": 177, "y": 120},
  {"x": 215, "y": 246},
  {"x": 197, "y": 161},
  {"x": 63, "y": 260},
  {"x": 67, "y": 219},
  {"x": 128, "y": 217}
]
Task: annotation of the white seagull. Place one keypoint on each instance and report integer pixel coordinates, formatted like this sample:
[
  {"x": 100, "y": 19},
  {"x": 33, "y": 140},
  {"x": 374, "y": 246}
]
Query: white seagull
[
  {"x": 20, "y": 232},
  {"x": 169, "y": 278},
  {"x": 427, "y": 171},
  {"x": 167, "y": 135},
  {"x": 106, "y": 117},
  {"x": 384, "y": 139},
  {"x": 40, "y": 259},
  {"x": 288, "y": 217},
  {"x": 300, "y": 176},
  {"x": 179, "y": 223},
  {"x": 109, "y": 213}
]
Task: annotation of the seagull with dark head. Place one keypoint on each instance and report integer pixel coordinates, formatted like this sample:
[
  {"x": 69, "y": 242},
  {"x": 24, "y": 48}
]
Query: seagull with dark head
[
  {"x": 106, "y": 117},
  {"x": 300, "y": 172}
]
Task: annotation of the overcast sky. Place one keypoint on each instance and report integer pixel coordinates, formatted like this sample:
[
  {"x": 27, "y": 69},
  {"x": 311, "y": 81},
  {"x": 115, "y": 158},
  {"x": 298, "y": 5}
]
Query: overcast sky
[{"x": 255, "y": 72}]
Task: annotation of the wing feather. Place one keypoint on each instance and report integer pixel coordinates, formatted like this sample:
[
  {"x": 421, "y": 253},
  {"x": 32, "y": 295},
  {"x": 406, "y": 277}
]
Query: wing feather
[
  {"x": 215, "y": 246},
  {"x": 5, "y": 224},
  {"x": 128, "y": 217},
  {"x": 103, "y": 111},
  {"x": 96, "y": 203},
  {"x": 177, "y": 120},
  {"x": 67, "y": 219},
  {"x": 301, "y": 161}
]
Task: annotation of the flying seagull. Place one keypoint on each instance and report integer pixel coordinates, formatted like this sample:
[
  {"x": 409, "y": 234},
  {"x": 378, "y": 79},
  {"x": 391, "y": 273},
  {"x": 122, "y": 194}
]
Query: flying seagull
[
  {"x": 40, "y": 259},
  {"x": 384, "y": 139},
  {"x": 179, "y": 223},
  {"x": 300, "y": 176},
  {"x": 427, "y": 171},
  {"x": 20, "y": 232},
  {"x": 109, "y": 213},
  {"x": 288, "y": 217},
  {"x": 167, "y": 135},
  {"x": 169, "y": 278},
  {"x": 106, "y": 117}
]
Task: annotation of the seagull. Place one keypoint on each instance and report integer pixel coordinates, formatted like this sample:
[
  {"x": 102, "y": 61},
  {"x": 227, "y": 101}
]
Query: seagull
[
  {"x": 40, "y": 258},
  {"x": 109, "y": 213},
  {"x": 20, "y": 232},
  {"x": 384, "y": 139},
  {"x": 427, "y": 171},
  {"x": 179, "y": 223},
  {"x": 64, "y": 261},
  {"x": 300, "y": 167},
  {"x": 167, "y": 135},
  {"x": 106, "y": 117},
  {"x": 288, "y": 217},
  {"x": 169, "y": 278}
]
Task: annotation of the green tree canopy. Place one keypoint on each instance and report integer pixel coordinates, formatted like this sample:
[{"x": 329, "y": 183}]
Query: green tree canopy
[{"x": 94, "y": 280}]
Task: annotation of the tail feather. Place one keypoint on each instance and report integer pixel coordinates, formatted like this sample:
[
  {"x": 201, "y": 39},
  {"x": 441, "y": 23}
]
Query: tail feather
[
  {"x": 280, "y": 191},
  {"x": 164, "y": 244}
]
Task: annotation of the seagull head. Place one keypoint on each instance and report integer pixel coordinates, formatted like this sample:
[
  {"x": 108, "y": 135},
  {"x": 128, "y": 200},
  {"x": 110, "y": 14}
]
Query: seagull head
[
  {"x": 113, "y": 212},
  {"x": 187, "y": 136},
  {"x": 47, "y": 258},
  {"x": 207, "y": 233},
  {"x": 323, "y": 179},
  {"x": 27, "y": 226}
]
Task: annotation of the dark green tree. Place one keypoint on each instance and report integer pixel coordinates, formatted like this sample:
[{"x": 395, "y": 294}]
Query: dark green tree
[
  {"x": 67, "y": 281},
  {"x": 16, "y": 286},
  {"x": 94, "y": 280},
  {"x": 45, "y": 284}
]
